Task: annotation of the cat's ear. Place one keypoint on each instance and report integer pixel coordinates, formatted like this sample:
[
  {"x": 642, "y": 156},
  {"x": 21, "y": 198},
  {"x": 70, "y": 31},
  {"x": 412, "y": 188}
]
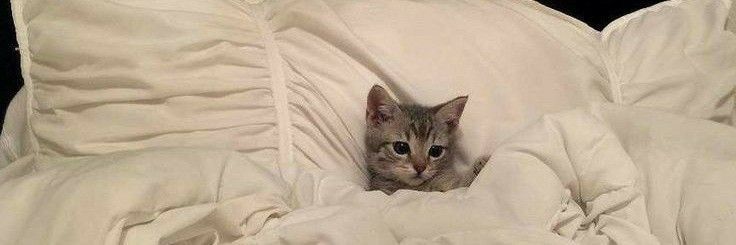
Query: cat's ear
[
  {"x": 381, "y": 107},
  {"x": 450, "y": 111}
]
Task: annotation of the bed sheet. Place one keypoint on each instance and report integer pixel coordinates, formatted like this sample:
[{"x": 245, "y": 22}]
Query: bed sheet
[{"x": 597, "y": 175}]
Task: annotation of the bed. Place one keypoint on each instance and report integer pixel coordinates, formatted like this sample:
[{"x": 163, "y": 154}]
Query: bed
[{"x": 242, "y": 122}]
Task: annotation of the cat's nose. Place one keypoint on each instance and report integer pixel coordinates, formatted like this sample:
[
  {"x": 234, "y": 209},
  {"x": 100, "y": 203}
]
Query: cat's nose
[{"x": 420, "y": 168}]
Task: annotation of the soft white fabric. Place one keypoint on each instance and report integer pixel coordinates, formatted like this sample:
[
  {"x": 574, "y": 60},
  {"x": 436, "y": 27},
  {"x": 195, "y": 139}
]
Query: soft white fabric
[
  {"x": 95, "y": 200},
  {"x": 109, "y": 76},
  {"x": 279, "y": 87},
  {"x": 598, "y": 175},
  {"x": 285, "y": 80},
  {"x": 676, "y": 56},
  {"x": 14, "y": 140}
]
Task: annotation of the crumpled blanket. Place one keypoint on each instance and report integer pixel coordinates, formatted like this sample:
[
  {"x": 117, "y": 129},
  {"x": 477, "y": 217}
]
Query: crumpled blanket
[{"x": 606, "y": 174}]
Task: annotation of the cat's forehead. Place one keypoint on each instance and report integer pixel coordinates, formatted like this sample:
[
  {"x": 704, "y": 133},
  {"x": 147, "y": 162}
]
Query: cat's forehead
[
  {"x": 420, "y": 125},
  {"x": 414, "y": 123},
  {"x": 417, "y": 113}
]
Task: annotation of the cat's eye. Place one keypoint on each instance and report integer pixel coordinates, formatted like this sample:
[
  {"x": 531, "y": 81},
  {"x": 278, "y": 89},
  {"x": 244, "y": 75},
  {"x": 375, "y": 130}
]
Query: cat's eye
[
  {"x": 436, "y": 151},
  {"x": 401, "y": 148}
]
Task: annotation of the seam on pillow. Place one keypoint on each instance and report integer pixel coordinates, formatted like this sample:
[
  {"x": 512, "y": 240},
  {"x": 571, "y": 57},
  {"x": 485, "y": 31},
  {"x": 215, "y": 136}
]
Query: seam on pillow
[
  {"x": 624, "y": 20},
  {"x": 615, "y": 82},
  {"x": 221, "y": 179},
  {"x": 560, "y": 15},
  {"x": 591, "y": 36},
  {"x": 21, "y": 31},
  {"x": 279, "y": 88},
  {"x": 612, "y": 89},
  {"x": 580, "y": 25}
]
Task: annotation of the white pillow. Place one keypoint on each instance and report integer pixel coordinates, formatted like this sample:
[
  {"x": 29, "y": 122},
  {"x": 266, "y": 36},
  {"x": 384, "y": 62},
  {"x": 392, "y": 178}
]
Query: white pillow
[
  {"x": 286, "y": 80},
  {"x": 676, "y": 56},
  {"x": 14, "y": 138},
  {"x": 108, "y": 76}
]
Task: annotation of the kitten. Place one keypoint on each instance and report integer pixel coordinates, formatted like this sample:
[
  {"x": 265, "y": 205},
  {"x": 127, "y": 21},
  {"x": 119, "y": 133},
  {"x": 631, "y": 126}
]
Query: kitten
[{"x": 411, "y": 146}]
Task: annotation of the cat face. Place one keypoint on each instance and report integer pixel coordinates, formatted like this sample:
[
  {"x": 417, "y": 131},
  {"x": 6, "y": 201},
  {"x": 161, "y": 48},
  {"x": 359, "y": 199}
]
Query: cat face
[{"x": 409, "y": 143}]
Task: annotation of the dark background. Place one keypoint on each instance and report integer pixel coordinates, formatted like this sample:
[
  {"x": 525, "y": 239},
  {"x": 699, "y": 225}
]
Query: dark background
[
  {"x": 596, "y": 13},
  {"x": 10, "y": 80}
]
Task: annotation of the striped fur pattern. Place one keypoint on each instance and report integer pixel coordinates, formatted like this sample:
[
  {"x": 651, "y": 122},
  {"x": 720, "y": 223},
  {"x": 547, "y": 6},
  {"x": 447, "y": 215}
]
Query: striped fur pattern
[{"x": 412, "y": 146}]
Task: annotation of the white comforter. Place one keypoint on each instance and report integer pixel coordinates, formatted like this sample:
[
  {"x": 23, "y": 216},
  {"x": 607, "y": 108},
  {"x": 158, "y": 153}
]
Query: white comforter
[{"x": 598, "y": 175}]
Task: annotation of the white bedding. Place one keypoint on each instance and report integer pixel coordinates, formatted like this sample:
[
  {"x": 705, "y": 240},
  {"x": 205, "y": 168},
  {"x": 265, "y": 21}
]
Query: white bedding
[
  {"x": 596, "y": 175},
  {"x": 241, "y": 122}
]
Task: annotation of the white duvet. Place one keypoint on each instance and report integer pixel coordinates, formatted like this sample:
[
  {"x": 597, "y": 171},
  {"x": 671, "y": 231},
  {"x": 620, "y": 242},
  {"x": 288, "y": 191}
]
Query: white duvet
[
  {"x": 241, "y": 122},
  {"x": 598, "y": 175}
]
